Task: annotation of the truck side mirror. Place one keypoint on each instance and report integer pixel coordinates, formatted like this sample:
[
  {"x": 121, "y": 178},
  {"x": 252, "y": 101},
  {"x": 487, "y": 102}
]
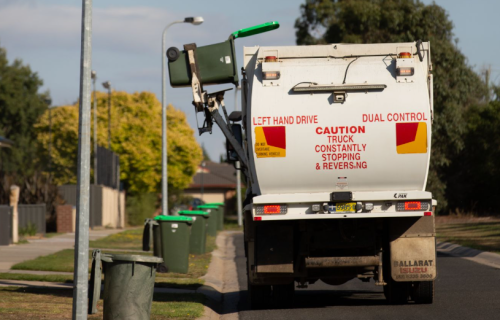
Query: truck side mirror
[{"x": 238, "y": 135}]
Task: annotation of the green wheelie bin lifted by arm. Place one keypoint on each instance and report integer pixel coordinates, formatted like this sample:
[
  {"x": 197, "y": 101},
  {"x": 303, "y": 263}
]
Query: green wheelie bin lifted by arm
[
  {"x": 216, "y": 62},
  {"x": 198, "y": 239},
  {"x": 175, "y": 234}
]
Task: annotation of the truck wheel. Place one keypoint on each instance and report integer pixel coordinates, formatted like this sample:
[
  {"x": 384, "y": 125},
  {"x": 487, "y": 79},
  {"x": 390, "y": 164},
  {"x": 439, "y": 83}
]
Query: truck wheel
[
  {"x": 397, "y": 292},
  {"x": 422, "y": 292},
  {"x": 283, "y": 295},
  {"x": 259, "y": 296}
]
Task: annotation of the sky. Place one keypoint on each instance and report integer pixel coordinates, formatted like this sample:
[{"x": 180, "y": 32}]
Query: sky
[{"x": 126, "y": 41}]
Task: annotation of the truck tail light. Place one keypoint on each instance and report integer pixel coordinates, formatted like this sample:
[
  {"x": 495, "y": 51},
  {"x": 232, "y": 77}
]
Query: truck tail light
[
  {"x": 404, "y": 55},
  {"x": 271, "y": 59},
  {"x": 271, "y": 75},
  {"x": 271, "y": 209},
  {"x": 405, "y": 71},
  {"x": 412, "y": 206}
]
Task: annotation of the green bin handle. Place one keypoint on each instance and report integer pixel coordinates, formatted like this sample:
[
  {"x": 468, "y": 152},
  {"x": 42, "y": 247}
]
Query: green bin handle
[{"x": 268, "y": 26}]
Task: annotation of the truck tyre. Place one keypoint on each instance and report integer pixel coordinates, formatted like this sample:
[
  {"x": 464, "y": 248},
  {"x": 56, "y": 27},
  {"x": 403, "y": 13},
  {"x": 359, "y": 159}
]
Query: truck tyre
[
  {"x": 283, "y": 295},
  {"x": 422, "y": 292},
  {"x": 259, "y": 296},
  {"x": 396, "y": 292}
]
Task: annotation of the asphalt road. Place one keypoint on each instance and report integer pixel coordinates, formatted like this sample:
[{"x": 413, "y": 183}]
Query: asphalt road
[{"x": 464, "y": 290}]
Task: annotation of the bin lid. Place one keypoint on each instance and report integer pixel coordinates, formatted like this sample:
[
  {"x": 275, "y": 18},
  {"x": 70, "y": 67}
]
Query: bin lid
[
  {"x": 174, "y": 219},
  {"x": 207, "y": 206},
  {"x": 195, "y": 213},
  {"x": 107, "y": 257},
  {"x": 268, "y": 26},
  {"x": 216, "y": 203}
]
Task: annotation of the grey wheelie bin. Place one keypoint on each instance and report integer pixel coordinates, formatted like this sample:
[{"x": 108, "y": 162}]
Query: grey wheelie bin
[
  {"x": 198, "y": 239},
  {"x": 213, "y": 220},
  {"x": 220, "y": 208},
  {"x": 175, "y": 233},
  {"x": 128, "y": 285}
]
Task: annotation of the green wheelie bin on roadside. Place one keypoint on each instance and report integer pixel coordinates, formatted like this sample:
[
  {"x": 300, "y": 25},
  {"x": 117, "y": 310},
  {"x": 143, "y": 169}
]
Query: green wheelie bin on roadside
[
  {"x": 198, "y": 239},
  {"x": 128, "y": 285},
  {"x": 220, "y": 208},
  {"x": 175, "y": 234},
  {"x": 213, "y": 221}
]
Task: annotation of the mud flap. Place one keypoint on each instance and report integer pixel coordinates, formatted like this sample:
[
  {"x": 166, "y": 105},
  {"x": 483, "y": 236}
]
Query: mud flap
[{"x": 413, "y": 259}]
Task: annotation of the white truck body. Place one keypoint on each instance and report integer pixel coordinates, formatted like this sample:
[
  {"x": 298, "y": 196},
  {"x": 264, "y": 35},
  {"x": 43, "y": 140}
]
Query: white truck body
[
  {"x": 338, "y": 141},
  {"x": 349, "y": 146}
]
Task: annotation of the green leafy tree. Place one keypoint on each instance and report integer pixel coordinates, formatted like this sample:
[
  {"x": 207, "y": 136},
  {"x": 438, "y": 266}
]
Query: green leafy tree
[
  {"x": 456, "y": 85},
  {"x": 135, "y": 137},
  {"x": 475, "y": 177},
  {"x": 21, "y": 105}
]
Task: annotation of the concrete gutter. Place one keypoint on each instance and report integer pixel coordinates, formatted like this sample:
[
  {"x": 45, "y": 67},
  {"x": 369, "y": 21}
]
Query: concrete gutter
[{"x": 478, "y": 256}]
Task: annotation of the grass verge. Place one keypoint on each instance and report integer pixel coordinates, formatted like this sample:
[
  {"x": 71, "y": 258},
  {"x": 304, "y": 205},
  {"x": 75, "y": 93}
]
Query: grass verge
[
  {"x": 61, "y": 261},
  {"x": 483, "y": 236},
  {"x": 129, "y": 239},
  {"x": 232, "y": 225},
  {"x": 46, "y": 303}
]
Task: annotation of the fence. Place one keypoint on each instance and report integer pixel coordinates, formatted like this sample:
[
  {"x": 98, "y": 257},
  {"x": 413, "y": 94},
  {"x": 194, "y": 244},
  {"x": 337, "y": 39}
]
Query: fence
[
  {"x": 5, "y": 225},
  {"x": 106, "y": 210},
  {"x": 68, "y": 193},
  {"x": 108, "y": 166},
  {"x": 32, "y": 214}
]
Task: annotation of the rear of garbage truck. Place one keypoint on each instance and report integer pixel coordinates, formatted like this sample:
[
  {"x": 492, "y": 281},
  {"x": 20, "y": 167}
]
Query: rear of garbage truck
[
  {"x": 334, "y": 141},
  {"x": 338, "y": 139}
]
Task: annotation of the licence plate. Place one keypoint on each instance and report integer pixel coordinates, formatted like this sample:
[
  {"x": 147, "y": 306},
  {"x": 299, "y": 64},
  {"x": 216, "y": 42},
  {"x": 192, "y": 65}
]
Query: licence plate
[{"x": 341, "y": 207}]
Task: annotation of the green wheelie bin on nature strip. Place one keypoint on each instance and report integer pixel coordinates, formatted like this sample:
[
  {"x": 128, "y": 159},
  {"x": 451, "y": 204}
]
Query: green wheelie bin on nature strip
[
  {"x": 198, "y": 239},
  {"x": 128, "y": 285},
  {"x": 175, "y": 234},
  {"x": 220, "y": 222},
  {"x": 213, "y": 221}
]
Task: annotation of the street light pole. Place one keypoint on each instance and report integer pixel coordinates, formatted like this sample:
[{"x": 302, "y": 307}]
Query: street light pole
[
  {"x": 94, "y": 78},
  {"x": 81, "y": 273},
  {"x": 107, "y": 85},
  {"x": 164, "y": 178}
]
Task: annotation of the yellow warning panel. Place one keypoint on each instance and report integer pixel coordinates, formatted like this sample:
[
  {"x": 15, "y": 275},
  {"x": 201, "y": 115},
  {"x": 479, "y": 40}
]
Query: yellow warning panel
[{"x": 270, "y": 142}]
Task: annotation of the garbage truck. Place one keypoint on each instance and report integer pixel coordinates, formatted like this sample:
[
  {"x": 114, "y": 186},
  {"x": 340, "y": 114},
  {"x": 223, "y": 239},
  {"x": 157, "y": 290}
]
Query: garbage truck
[{"x": 334, "y": 141}]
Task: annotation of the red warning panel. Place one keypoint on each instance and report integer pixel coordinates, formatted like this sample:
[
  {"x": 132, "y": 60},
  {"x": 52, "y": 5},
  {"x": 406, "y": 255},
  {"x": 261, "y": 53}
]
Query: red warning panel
[{"x": 275, "y": 136}]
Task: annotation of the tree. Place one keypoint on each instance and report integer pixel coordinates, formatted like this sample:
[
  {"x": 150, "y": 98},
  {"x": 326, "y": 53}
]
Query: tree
[
  {"x": 456, "y": 85},
  {"x": 135, "y": 137},
  {"x": 21, "y": 105}
]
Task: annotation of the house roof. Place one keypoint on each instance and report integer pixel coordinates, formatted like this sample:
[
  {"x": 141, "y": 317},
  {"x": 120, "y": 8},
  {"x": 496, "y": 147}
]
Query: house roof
[{"x": 215, "y": 175}]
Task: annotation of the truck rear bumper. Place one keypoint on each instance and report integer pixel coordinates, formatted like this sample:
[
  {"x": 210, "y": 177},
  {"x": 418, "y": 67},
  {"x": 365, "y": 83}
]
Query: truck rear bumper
[{"x": 386, "y": 204}]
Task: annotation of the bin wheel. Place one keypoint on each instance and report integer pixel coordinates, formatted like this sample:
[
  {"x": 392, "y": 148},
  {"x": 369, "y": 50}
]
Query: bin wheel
[
  {"x": 422, "y": 292},
  {"x": 283, "y": 295},
  {"x": 397, "y": 292},
  {"x": 173, "y": 54}
]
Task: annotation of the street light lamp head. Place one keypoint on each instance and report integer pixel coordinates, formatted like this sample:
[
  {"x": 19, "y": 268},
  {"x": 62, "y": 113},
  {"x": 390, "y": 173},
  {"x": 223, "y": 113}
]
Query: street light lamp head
[
  {"x": 93, "y": 74},
  {"x": 106, "y": 85},
  {"x": 194, "y": 20}
]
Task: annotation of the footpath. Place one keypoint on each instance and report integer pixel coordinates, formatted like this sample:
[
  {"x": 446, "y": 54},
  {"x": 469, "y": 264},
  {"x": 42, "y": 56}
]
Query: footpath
[{"x": 221, "y": 280}]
